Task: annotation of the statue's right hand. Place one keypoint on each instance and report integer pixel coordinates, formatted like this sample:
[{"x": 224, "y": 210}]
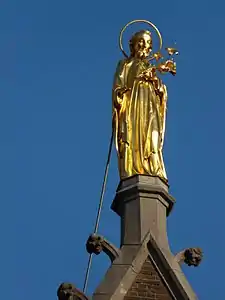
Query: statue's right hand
[
  {"x": 122, "y": 91},
  {"x": 119, "y": 99}
]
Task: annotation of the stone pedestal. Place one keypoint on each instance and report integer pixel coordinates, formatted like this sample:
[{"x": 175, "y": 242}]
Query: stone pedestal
[
  {"x": 144, "y": 267},
  {"x": 143, "y": 203}
]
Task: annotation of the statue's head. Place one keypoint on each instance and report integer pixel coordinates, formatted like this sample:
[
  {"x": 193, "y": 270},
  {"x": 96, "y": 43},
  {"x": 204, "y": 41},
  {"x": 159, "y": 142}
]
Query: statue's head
[{"x": 141, "y": 44}]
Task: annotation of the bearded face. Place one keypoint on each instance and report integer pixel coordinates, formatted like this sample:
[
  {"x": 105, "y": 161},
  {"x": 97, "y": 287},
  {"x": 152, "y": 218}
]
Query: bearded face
[{"x": 141, "y": 45}]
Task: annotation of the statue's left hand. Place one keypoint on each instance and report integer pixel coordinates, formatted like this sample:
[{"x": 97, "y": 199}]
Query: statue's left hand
[
  {"x": 167, "y": 67},
  {"x": 149, "y": 74}
]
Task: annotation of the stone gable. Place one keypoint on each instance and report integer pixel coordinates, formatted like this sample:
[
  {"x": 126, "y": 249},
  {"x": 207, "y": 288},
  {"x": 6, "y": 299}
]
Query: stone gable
[{"x": 148, "y": 285}]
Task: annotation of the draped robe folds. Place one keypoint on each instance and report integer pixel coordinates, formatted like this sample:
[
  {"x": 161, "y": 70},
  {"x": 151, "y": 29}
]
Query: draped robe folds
[{"x": 138, "y": 121}]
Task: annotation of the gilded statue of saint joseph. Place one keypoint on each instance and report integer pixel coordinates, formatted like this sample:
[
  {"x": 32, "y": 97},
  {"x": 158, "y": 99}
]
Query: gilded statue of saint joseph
[{"x": 139, "y": 109}]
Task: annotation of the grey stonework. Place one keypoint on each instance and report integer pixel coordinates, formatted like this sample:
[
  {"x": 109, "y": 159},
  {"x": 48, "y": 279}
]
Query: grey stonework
[
  {"x": 97, "y": 244},
  {"x": 190, "y": 256},
  {"x": 67, "y": 291},
  {"x": 143, "y": 204}
]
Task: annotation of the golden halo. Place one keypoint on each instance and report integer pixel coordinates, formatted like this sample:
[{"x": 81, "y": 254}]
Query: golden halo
[{"x": 139, "y": 21}]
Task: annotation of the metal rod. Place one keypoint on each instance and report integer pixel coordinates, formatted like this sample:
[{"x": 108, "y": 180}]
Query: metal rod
[
  {"x": 87, "y": 273},
  {"x": 99, "y": 211}
]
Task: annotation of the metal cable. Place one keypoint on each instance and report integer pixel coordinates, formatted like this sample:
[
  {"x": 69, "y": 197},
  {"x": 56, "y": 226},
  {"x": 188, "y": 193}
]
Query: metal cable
[{"x": 99, "y": 212}]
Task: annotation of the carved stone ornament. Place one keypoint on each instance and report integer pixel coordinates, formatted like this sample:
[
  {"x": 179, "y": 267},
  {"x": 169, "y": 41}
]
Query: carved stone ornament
[
  {"x": 67, "y": 291},
  {"x": 97, "y": 243},
  {"x": 94, "y": 244},
  {"x": 190, "y": 256},
  {"x": 193, "y": 256}
]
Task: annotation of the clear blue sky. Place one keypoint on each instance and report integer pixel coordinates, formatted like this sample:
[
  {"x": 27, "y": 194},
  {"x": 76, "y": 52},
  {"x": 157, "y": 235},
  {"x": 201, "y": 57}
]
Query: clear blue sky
[{"x": 57, "y": 60}]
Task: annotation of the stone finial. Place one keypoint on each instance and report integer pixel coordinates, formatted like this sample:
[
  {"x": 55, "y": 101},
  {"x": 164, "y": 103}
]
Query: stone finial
[
  {"x": 67, "y": 291},
  {"x": 190, "y": 256},
  {"x": 97, "y": 243}
]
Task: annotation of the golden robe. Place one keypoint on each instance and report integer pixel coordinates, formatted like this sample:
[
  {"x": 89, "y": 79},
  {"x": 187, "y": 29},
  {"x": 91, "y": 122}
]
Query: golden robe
[{"x": 138, "y": 121}]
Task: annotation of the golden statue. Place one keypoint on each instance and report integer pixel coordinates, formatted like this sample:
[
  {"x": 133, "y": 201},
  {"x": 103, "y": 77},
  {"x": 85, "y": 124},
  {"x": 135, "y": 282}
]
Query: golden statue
[{"x": 139, "y": 106}]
